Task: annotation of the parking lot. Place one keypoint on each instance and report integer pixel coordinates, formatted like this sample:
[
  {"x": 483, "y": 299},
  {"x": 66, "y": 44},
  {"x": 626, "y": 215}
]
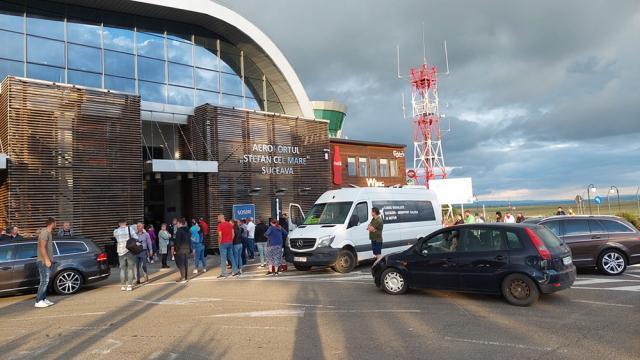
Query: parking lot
[{"x": 321, "y": 314}]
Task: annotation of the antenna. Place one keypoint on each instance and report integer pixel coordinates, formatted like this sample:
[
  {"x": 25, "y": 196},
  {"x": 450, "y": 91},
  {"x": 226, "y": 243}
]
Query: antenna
[
  {"x": 404, "y": 114},
  {"x": 398, "y": 54},
  {"x": 446, "y": 57},
  {"x": 424, "y": 48}
]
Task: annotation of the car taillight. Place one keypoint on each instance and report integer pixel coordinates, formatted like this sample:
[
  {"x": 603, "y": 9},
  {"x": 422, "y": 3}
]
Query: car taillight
[
  {"x": 537, "y": 242},
  {"x": 102, "y": 257}
]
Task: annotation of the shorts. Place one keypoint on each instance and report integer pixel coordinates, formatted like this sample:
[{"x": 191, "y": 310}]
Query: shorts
[{"x": 376, "y": 247}]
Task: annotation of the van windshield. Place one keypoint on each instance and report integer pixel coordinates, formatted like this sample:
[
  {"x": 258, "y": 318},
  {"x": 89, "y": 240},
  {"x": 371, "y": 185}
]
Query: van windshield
[{"x": 328, "y": 213}]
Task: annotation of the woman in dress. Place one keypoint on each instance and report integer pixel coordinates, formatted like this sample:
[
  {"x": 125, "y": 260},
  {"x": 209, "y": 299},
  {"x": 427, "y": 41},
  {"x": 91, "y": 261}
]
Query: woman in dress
[{"x": 275, "y": 238}]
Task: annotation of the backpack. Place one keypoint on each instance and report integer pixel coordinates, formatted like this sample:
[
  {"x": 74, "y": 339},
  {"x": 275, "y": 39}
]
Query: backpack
[{"x": 133, "y": 245}]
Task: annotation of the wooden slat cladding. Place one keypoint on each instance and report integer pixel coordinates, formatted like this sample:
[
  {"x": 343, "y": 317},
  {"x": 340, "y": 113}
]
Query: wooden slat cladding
[
  {"x": 74, "y": 155},
  {"x": 230, "y": 135}
]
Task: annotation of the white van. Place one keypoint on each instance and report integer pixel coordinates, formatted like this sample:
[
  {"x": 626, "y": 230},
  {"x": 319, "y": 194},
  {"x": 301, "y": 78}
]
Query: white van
[{"x": 334, "y": 232}]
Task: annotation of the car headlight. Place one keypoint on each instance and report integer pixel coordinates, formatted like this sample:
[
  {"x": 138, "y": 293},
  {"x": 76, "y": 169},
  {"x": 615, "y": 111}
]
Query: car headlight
[{"x": 325, "y": 240}]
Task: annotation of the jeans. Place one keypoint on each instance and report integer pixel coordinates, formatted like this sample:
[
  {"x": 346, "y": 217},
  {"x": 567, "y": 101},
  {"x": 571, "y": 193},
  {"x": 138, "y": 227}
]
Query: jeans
[
  {"x": 45, "y": 274},
  {"x": 243, "y": 253},
  {"x": 141, "y": 262},
  {"x": 251, "y": 247},
  {"x": 226, "y": 252},
  {"x": 182, "y": 262},
  {"x": 200, "y": 256},
  {"x": 261, "y": 250},
  {"x": 237, "y": 253},
  {"x": 127, "y": 263}
]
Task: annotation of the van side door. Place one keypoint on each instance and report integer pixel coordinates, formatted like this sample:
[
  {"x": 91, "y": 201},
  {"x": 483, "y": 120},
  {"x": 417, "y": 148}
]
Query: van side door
[{"x": 357, "y": 230}]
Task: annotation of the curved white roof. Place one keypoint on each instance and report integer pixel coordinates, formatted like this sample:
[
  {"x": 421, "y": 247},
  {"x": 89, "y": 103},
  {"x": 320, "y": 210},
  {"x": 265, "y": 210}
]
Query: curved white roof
[{"x": 247, "y": 37}]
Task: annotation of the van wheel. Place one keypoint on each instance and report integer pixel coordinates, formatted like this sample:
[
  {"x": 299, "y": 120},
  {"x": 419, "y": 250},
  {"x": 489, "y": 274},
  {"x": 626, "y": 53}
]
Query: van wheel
[
  {"x": 393, "y": 282},
  {"x": 302, "y": 267},
  {"x": 67, "y": 282},
  {"x": 346, "y": 261},
  {"x": 612, "y": 262},
  {"x": 520, "y": 290}
]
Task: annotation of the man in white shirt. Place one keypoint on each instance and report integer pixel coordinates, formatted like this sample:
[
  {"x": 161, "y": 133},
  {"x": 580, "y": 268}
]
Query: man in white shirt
[
  {"x": 250, "y": 229},
  {"x": 509, "y": 219},
  {"x": 127, "y": 259}
]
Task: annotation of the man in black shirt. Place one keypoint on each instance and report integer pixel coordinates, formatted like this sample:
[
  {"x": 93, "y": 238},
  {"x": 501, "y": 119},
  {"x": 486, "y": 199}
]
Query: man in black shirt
[
  {"x": 182, "y": 249},
  {"x": 260, "y": 239}
]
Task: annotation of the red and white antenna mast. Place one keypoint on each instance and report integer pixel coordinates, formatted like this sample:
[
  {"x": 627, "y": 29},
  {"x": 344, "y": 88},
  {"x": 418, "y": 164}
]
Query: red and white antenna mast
[{"x": 428, "y": 157}]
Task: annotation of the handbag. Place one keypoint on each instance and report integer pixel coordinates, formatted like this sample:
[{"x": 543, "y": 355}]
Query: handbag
[{"x": 133, "y": 245}]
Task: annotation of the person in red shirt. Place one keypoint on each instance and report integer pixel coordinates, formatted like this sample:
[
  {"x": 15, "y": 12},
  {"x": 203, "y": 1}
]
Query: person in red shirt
[
  {"x": 225, "y": 242},
  {"x": 204, "y": 226}
]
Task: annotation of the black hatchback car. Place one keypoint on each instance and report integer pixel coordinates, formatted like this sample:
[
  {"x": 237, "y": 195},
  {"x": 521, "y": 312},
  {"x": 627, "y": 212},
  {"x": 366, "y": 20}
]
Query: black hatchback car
[
  {"x": 76, "y": 262},
  {"x": 518, "y": 261}
]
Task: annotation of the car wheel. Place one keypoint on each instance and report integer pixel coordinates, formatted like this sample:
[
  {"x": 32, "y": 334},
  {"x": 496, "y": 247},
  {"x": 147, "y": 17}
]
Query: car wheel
[
  {"x": 612, "y": 262},
  {"x": 67, "y": 282},
  {"x": 520, "y": 290},
  {"x": 346, "y": 261},
  {"x": 302, "y": 267},
  {"x": 393, "y": 282}
]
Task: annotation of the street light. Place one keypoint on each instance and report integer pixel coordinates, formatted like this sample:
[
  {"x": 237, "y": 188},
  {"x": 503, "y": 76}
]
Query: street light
[
  {"x": 611, "y": 191},
  {"x": 590, "y": 188}
]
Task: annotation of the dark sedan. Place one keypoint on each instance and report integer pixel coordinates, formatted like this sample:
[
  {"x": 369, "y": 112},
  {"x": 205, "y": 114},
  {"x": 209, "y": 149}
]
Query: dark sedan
[
  {"x": 518, "y": 261},
  {"x": 76, "y": 262}
]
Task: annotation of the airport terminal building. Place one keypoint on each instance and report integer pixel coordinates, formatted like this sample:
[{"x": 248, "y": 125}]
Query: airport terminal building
[{"x": 148, "y": 110}]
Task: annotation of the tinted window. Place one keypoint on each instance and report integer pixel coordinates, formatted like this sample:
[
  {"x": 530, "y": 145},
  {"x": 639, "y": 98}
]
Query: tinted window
[
  {"x": 231, "y": 84},
  {"x": 45, "y": 27},
  {"x": 118, "y": 39},
  {"x": 402, "y": 211},
  {"x": 6, "y": 252},
  {"x": 595, "y": 227},
  {"x": 180, "y": 74},
  {"x": 548, "y": 238},
  {"x": 26, "y": 251},
  {"x": 84, "y": 79},
  {"x": 553, "y": 226},
  {"x": 70, "y": 247},
  {"x": 12, "y": 45},
  {"x": 117, "y": 63},
  {"x": 206, "y": 58},
  {"x": 83, "y": 34},
  {"x": 614, "y": 226},
  {"x": 445, "y": 242},
  {"x": 513, "y": 241},
  {"x": 180, "y": 96},
  {"x": 362, "y": 211},
  {"x": 576, "y": 227},
  {"x": 150, "y": 69},
  {"x": 151, "y": 91},
  {"x": 206, "y": 80},
  {"x": 151, "y": 45},
  {"x": 180, "y": 51},
  {"x": 209, "y": 97},
  {"x": 43, "y": 72},
  {"x": 11, "y": 17},
  {"x": 481, "y": 240},
  {"x": 84, "y": 58},
  {"x": 45, "y": 51},
  {"x": 8, "y": 67},
  {"x": 119, "y": 84}
]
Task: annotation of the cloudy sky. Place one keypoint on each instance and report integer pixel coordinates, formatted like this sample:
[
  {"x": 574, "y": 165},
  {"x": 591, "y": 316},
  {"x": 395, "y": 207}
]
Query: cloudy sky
[{"x": 543, "y": 96}]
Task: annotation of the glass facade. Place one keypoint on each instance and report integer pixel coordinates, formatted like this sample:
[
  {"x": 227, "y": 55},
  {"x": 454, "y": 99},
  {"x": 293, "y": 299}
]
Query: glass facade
[{"x": 161, "y": 61}]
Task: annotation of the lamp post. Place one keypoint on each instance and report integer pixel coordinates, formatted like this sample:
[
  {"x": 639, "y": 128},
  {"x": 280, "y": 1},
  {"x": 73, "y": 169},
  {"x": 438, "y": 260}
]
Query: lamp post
[
  {"x": 590, "y": 188},
  {"x": 611, "y": 190}
]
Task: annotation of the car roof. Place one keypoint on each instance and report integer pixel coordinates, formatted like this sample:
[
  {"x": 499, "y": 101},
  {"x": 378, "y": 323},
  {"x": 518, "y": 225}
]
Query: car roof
[
  {"x": 34, "y": 239},
  {"x": 562, "y": 217},
  {"x": 493, "y": 225}
]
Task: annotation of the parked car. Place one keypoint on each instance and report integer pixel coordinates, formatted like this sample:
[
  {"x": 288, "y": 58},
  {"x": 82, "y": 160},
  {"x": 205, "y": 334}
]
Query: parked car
[
  {"x": 609, "y": 243},
  {"x": 76, "y": 262},
  {"x": 518, "y": 261}
]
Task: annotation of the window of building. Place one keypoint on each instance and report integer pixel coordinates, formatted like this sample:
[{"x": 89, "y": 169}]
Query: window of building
[
  {"x": 180, "y": 75},
  {"x": 384, "y": 167},
  {"x": 373, "y": 167},
  {"x": 85, "y": 34},
  {"x": 150, "y": 69},
  {"x": 351, "y": 166},
  {"x": 119, "y": 64},
  {"x": 179, "y": 50},
  {"x": 43, "y": 72},
  {"x": 84, "y": 79},
  {"x": 12, "y": 45},
  {"x": 179, "y": 95},
  {"x": 84, "y": 58},
  {"x": 393, "y": 167},
  {"x": 152, "y": 91},
  {"x": 9, "y": 67},
  {"x": 118, "y": 39},
  {"x": 120, "y": 84},
  {"x": 45, "y": 51},
  {"x": 207, "y": 79},
  {"x": 45, "y": 26},
  {"x": 206, "y": 58},
  {"x": 362, "y": 166},
  {"x": 150, "y": 45},
  {"x": 11, "y": 17},
  {"x": 231, "y": 84},
  {"x": 207, "y": 97}
]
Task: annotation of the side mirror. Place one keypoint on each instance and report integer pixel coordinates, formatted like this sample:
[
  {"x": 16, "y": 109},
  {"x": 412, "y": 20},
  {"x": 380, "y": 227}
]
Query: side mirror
[{"x": 353, "y": 221}]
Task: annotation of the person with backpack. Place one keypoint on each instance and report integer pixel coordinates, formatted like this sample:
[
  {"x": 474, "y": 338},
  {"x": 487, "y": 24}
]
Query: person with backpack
[
  {"x": 275, "y": 238},
  {"x": 182, "y": 249},
  {"x": 127, "y": 259}
]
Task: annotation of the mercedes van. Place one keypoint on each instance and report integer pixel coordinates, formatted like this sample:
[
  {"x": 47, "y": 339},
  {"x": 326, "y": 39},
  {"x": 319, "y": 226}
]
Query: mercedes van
[{"x": 334, "y": 232}]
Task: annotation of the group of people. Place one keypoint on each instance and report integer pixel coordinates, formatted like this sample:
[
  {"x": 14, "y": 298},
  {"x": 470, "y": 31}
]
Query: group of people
[{"x": 13, "y": 233}]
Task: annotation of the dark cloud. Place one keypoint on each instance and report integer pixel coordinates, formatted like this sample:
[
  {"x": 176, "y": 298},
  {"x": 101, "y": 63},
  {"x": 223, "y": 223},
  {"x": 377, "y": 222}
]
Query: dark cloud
[{"x": 541, "y": 95}]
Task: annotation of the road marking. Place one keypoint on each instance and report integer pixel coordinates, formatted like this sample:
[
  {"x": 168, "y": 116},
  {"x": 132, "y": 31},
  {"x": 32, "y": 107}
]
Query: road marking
[
  {"x": 189, "y": 301},
  {"x": 618, "y": 288},
  {"x": 637, "y": 276},
  {"x": 496, "y": 343},
  {"x": 58, "y": 316},
  {"x": 256, "y": 327},
  {"x": 108, "y": 347},
  {"x": 302, "y": 312},
  {"x": 596, "y": 281},
  {"x": 601, "y": 303}
]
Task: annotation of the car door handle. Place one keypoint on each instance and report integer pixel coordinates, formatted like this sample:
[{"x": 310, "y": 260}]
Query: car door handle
[
  {"x": 449, "y": 261},
  {"x": 499, "y": 257}
]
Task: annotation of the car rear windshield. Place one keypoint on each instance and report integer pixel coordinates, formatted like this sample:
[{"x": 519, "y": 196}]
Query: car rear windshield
[{"x": 548, "y": 238}]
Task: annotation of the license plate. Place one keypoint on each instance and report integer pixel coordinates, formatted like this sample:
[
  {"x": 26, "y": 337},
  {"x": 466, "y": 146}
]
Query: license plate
[
  {"x": 566, "y": 260},
  {"x": 300, "y": 259}
]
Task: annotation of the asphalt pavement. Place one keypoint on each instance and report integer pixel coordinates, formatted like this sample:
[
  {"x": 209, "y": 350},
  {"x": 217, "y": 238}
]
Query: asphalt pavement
[{"x": 318, "y": 315}]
